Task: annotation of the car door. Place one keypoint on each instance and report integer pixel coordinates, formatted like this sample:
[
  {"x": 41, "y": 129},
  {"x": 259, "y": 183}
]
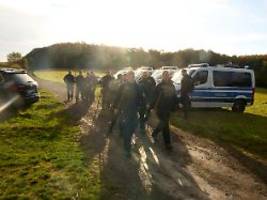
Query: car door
[{"x": 200, "y": 95}]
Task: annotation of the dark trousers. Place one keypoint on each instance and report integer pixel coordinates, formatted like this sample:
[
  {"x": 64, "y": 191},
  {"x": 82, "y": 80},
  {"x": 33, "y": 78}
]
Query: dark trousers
[
  {"x": 185, "y": 100},
  {"x": 70, "y": 89},
  {"x": 89, "y": 96},
  {"x": 127, "y": 127},
  {"x": 79, "y": 92},
  {"x": 106, "y": 101},
  {"x": 114, "y": 119},
  {"x": 163, "y": 126},
  {"x": 142, "y": 119}
]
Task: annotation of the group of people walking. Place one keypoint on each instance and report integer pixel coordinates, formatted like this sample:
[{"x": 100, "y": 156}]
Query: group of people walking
[
  {"x": 131, "y": 102},
  {"x": 85, "y": 86}
]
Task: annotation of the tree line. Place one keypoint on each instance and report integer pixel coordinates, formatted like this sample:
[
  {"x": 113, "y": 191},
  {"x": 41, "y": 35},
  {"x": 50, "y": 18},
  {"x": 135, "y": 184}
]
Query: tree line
[
  {"x": 89, "y": 56},
  {"x": 14, "y": 60}
]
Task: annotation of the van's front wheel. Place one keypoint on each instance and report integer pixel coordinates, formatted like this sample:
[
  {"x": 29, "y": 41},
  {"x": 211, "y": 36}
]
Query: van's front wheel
[{"x": 239, "y": 106}]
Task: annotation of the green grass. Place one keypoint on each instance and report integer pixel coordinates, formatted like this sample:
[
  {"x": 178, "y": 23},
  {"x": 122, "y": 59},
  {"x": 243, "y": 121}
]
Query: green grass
[
  {"x": 246, "y": 132},
  {"x": 41, "y": 158},
  {"x": 58, "y": 75}
]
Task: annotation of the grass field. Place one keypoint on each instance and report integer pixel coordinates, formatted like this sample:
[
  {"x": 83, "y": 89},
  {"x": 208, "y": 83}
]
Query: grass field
[
  {"x": 246, "y": 132},
  {"x": 57, "y": 76},
  {"x": 41, "y": 158}
]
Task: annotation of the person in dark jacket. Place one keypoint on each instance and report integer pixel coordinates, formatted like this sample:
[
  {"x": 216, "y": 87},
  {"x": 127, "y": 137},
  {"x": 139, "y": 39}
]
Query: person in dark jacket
[
  {"x": 115, "y": 87},
  {"x": 128, "y": 101},
  {"x": 79, "y": 86},
  {"x": 164, "y": 103},
  {"x": 104, "y": 82},
  {"x": 186, "y": 89},
  {"x": 147, "y": 85},
  {"x": 90, "y": 82},
  {"x": 93, "y": 83},
  {"x": 69, "y": 81}
]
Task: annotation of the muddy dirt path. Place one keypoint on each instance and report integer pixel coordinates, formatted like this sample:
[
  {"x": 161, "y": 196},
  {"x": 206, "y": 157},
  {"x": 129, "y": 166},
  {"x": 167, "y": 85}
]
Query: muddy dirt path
[{"x": 196, "y": 169}]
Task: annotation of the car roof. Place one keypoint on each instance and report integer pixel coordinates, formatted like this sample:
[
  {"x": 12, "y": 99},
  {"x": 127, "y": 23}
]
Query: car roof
[
  {"x": 12, "y": 70},
  {"x": 169, "y": 67},
  {"x": 221, "y": 68},
  {"x": 145, "y": 68}
]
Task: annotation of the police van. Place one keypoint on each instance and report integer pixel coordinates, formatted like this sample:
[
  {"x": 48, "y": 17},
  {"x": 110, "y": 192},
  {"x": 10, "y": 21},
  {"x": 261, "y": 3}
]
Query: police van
[{"x": 219, "y": 86}]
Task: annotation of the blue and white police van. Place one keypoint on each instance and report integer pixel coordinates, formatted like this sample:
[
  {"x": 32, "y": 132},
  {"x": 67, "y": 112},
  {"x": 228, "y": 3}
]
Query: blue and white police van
[{"x": 219, "y": 86}]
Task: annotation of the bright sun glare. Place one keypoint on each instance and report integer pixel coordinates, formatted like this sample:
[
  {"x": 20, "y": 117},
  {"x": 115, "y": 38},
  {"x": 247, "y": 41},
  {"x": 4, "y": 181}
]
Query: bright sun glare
[{"x": 224, "y": 26}]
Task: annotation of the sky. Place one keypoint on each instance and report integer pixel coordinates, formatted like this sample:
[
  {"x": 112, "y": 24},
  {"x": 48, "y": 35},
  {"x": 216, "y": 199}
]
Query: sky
[{"x": 233, "y": 27}]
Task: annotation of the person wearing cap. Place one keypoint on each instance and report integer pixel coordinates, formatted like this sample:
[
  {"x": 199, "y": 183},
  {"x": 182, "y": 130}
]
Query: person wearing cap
[
  {"x": 165, "y": 101},
  {"x": 69, "y": 81},
  {"x": 147, "y": 85},
  {"x": 128, "y": 102}
]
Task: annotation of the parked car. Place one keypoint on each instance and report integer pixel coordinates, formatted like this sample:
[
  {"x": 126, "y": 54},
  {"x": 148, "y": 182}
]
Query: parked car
[
  {"x": 16, "y": 85},
  {"x": 122, "y": 72},
  {"x": 139, "y": 72},
  {"x": 220, "y": 87}
]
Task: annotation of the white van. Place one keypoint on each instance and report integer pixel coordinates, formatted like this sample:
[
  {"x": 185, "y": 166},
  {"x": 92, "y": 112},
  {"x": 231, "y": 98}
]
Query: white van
[{"x": 219, "y": 87}]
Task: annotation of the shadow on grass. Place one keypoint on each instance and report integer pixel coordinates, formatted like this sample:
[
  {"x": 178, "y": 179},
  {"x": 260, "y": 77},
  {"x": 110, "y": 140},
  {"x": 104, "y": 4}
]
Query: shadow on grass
[
  {"x": 12, "y": 111},
  {"x": 73, "y": 113},
  {"x": 7, "y": 114},
  {"x": 236, "y": 133}
]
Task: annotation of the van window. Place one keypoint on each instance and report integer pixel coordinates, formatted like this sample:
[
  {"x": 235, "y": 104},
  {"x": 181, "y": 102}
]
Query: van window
[
  {"x": 201, "y": 77},
  {"x": 232, "y": 79}
]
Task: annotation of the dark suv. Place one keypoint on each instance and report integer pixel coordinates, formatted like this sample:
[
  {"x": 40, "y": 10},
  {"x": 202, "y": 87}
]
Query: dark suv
[{"x": 17, "y": 87}]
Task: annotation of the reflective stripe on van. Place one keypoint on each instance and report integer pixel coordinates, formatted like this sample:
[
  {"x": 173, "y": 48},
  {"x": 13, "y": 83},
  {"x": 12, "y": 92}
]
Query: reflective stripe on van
[{"x": 222, "y": 94}]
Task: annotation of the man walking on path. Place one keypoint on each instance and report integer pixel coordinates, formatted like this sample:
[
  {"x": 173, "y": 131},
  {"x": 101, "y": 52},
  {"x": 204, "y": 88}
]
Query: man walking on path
[
  {"x": 147, "y": 85},
  {"x": 93, "y": 83},
  {"x": 90, "y": 82},
  {"x": 127, "y": 105},
  {"x": 186, "y": 88},
  {"x": 104, "y": 82},
  {"x": 79, "y": 86},
  {"x": 115, "y": 86},
  {"x": 164, "y": 103},
  {"x": 69, "y": 81}
]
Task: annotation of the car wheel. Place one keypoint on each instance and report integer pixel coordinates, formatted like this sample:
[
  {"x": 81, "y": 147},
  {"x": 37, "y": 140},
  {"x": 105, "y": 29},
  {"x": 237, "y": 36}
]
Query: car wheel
[{"x": 239, "y": 106}]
